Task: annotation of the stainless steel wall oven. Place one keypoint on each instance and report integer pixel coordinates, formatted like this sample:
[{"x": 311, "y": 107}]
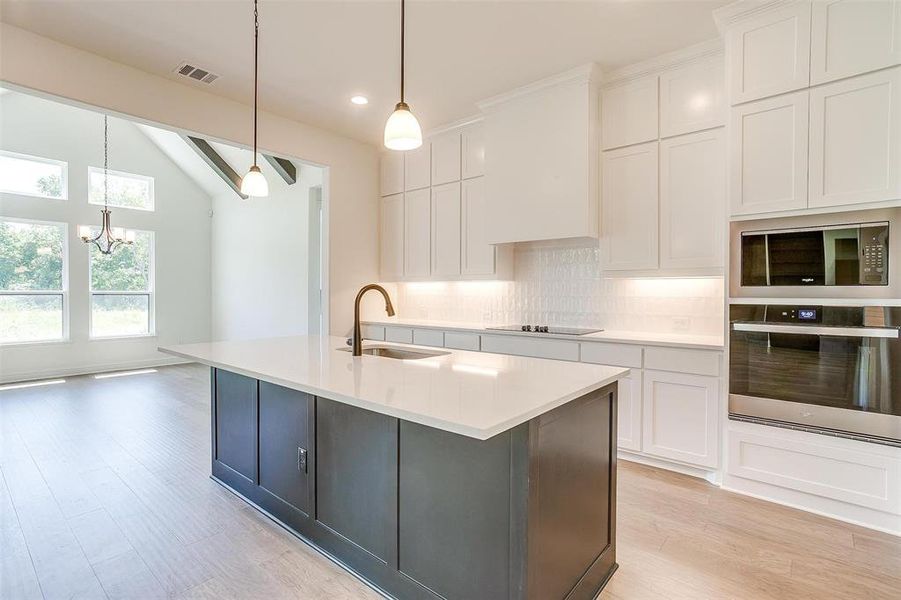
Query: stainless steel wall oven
[{"x": 830, "y": 369}]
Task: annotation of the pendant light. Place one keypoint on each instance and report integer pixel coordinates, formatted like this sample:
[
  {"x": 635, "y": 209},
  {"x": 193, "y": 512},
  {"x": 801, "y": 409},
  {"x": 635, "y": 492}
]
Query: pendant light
[
  {"x": 109, "y": 237},
  {"x": 254, "y": 183},
  {"x": 402, "y": 131}
]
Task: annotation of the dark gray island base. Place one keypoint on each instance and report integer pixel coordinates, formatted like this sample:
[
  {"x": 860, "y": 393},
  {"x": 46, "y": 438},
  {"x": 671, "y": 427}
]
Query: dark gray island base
[{"x": 423, "y": 513}]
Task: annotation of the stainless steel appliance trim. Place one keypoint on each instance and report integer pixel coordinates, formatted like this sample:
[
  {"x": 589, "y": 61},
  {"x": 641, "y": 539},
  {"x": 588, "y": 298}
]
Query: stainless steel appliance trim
[
  {"x": 817, "y": 228},
  {"x": 866, "y": 424},
  {"x": 818, "y": 430},
  {"x": 864, "y": 332}
]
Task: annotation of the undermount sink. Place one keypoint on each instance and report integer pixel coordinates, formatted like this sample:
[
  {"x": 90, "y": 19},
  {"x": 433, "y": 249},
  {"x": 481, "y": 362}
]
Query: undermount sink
[{"x": 399, "y": 353}]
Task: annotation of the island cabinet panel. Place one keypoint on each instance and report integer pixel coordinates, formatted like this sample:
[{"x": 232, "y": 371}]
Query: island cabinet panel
[
  {"x": 454, "y": 526},
  {"x": 286, "y": 434},
  {"x": 235, "y": 423},
  {"x": 356, "y": 481}
]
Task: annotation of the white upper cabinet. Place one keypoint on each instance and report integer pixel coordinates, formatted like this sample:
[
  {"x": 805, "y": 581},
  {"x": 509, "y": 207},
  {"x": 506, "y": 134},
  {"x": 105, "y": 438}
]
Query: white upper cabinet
[
  {"x": 849, "y": 37},
  {"x": 473, "y": 151},
  {"x": 769, "y": 54},
  {"x": 446, "y": 158},
  {"x": 768, "y": 155},
  {"x": 391, "y": 173},
  {"x": 541, "y": 160},
  {"x": 629, "y": 113},
  {"x": 418, "y": 167},
  {"x": 855, "y": 140},
  {"x": 629, "y": 220},
  {"x": 446, "y": 230},
  {"x": 478, "y": 256},
  {"x": 391, "y": 237},
  {"x": 418, "y": 233},
  {"x": 692, "y": 98},
  {"x": 692, "y": 200}
]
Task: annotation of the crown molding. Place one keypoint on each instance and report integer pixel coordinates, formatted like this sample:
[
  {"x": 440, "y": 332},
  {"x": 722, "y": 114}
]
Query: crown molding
[
  {"x": 588, "y": 73},
  {"x": 728, "y": 15},
  {"x": 458, "y": 124},
  {"x": 678, "y": 58}
]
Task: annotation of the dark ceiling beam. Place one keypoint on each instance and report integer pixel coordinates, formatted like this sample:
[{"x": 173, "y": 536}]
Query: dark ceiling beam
[
  {"x": 216, "y": 163},
  {"x": 283, "y": 167}
]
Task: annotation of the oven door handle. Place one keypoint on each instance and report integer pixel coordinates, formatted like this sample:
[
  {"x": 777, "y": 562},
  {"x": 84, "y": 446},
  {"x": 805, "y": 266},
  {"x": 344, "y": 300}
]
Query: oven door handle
[{"x": 862, "y": 332}]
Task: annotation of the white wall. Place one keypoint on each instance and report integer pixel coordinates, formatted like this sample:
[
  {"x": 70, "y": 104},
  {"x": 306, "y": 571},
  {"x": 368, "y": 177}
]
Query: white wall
[
  {"x": 261, "y": 257},
  {"x": 350, "y": 187},
  {"x": 180, "y": 223}
]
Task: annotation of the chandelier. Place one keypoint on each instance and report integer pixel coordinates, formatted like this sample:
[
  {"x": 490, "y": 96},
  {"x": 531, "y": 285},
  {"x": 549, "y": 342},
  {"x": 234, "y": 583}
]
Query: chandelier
[{"x": 109, "y": 237}]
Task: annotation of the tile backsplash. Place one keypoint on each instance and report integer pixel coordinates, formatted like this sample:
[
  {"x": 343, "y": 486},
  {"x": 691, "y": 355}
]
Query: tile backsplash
[{"x": 561, "y": 283}]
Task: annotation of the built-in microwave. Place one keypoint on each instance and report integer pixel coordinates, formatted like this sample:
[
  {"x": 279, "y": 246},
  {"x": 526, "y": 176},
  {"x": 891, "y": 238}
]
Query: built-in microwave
[{"x": 834, "y": 255}]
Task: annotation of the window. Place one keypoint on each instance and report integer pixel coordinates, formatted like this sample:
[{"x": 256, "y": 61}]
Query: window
[
  {"x": 32, "y": 281},
  {"x": 126, "y": 190},
  {"x": 122, "y": 289},
  {"x": 32, "y": 176}
]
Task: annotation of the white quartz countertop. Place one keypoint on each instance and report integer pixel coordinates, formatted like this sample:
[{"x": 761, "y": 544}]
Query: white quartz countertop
[
  {"x": 475, "y": 394},
  {"x": 676, "y": 340}
]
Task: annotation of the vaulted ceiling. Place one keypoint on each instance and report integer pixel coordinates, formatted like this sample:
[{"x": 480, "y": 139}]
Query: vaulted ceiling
[{"x": 315, "y": 55}]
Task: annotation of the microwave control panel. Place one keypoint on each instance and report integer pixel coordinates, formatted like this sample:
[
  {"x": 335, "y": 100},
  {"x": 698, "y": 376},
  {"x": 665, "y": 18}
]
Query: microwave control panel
[{"x": 874, "y": 255}]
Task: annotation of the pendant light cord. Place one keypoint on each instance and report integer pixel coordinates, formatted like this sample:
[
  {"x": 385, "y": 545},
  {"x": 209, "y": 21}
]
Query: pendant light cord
[
  {"x": 105, "y": 162},
  {"x": 402, "y": 31},
  {"x": 256, "y": 62}
]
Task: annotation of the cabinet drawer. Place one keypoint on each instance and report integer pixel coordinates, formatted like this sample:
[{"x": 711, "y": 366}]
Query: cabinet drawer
[
  {"x": 401, "y": 335},
  {"x": 428, "y": 337},
  {"x": 462, "y": 341},
  {"x": 618, "y": 355},
  {"x": 373, "y": 332},
  {"x": 697, "y": 362},
  {"x": 538, "y": 348}
]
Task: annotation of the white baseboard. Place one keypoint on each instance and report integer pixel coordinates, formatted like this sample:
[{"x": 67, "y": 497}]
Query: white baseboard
[
  {"x": 706, "y": 474},
  {"x": 54, "y": 372},
  {"x": 826, "y": 507}
]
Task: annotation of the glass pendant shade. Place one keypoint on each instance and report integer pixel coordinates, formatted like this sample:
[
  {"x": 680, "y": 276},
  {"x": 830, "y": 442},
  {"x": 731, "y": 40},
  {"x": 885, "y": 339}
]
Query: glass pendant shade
[
  {"x": 402, "y": 131},
  {"x": 254, "y": 183}
]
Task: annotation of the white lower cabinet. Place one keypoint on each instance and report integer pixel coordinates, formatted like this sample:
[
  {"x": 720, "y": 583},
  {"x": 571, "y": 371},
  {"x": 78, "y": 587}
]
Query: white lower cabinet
[
  {"x": 628, "y": 422},
  {"x": 680, "y": 417}
]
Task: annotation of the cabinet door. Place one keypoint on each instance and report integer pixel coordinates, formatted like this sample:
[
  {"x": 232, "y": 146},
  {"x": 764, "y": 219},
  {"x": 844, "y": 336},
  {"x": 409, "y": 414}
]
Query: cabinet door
[
  {"x": 628, "y": 409},
  {"x": 473, "y": 151},
  {"x": 391, "y": 238},
  {"x": 629, "y": 113},
  {"x": 680, "y": 417},
  {"x": 770, "y": 54},
  {"x": 286, "y": 452},
  {"x": 692, "y": 98},
  {"x": 855, "y": 140},
  {"x": 446, "y": 230},
  {"x": 235, "y": 418},
  {"x": 418, "y": 167},
  {"x": 849, "y": 37},
  {"x": 417, "y": 233},
  {"x": 768, "y": 157},
  {"x": 446, "y": 158},
  {"x": 391, "y": 171},
  {"x": 692, "y": 200},
  {"x": 478, "y": 256},
  {"x": 629, "y": 208}
]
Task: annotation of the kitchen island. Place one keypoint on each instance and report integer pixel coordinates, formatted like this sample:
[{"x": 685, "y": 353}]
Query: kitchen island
[{"x": 451, "y": 474}]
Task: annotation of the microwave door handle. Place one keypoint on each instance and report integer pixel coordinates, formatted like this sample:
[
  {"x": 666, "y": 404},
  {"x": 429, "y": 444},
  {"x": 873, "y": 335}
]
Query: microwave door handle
[{"x": 862, "y": 332}]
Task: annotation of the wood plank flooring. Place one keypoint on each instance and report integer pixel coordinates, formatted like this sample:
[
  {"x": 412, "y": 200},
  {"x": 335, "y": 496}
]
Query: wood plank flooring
[{"x": 105, "y": 493}]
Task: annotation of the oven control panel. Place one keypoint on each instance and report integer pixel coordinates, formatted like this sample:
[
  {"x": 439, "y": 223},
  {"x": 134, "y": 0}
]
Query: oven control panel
[{"x": 794, "y": 314}]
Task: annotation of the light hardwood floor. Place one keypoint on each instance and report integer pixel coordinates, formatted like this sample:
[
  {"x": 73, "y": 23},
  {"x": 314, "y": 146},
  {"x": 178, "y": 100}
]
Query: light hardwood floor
[{"x": 104, "y": 493}]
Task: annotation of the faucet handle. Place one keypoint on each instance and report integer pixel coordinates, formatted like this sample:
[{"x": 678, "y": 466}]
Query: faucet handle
[{"x": 349, "y": 341}]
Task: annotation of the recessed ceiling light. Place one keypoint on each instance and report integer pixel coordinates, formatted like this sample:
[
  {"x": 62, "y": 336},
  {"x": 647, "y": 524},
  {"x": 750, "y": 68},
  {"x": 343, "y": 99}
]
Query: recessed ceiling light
[{"x": 361, "y": 100}]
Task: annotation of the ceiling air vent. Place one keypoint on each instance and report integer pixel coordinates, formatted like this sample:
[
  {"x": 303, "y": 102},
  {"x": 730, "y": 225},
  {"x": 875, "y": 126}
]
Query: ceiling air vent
[{"x": 196, "y": 73}]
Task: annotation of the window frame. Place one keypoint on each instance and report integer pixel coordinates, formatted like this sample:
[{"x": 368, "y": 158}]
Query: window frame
[
  {"x": 126, "y": 174},
  {"x": 64, "y": 180},
  {"x": 62, "y": 293},
  {"x": 150, "y": 293}
]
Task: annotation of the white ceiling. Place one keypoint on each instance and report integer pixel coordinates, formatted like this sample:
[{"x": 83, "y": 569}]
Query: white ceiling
[{"x": 314, "y": 55}]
